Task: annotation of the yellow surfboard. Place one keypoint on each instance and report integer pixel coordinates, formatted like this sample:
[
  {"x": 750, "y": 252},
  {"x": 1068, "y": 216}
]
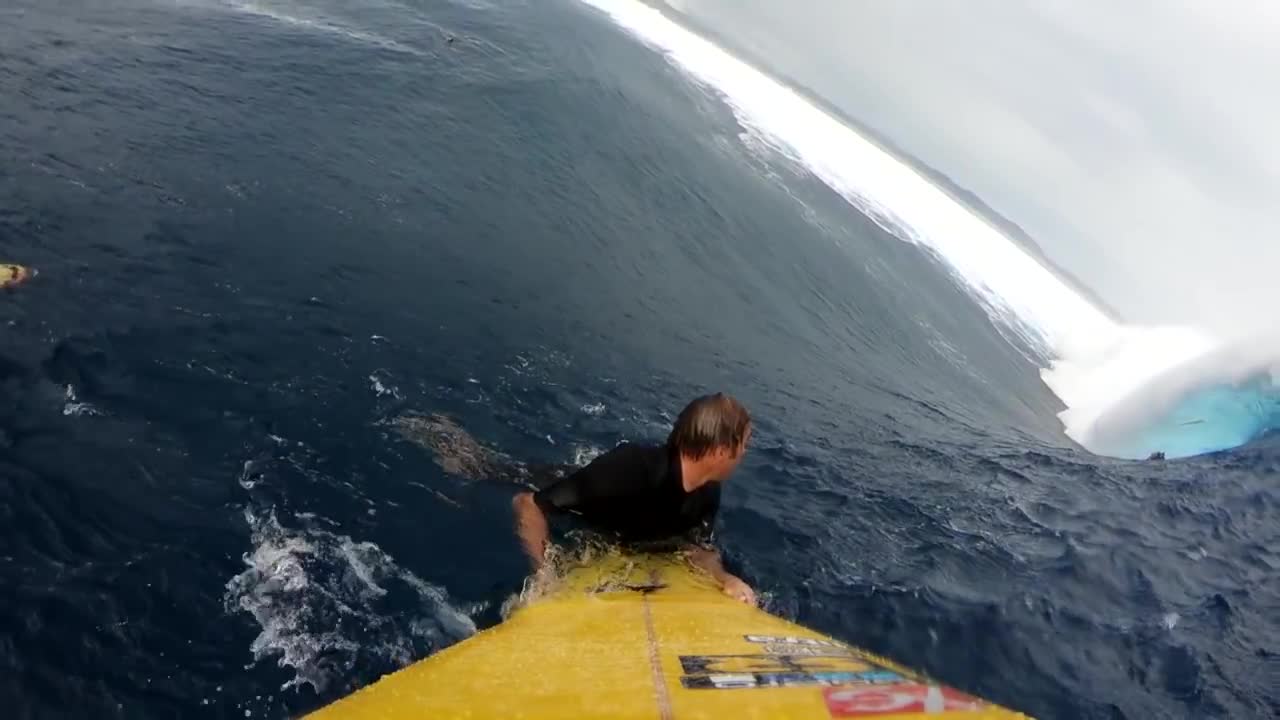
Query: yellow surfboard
[
  {"x": 11, "y": 275},
  {"x": 649, "y": 637}
]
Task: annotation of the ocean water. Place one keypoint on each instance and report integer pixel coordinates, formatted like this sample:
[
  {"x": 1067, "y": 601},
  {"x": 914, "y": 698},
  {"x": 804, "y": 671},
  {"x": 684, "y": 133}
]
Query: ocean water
[{"x": 266, "y": 230}]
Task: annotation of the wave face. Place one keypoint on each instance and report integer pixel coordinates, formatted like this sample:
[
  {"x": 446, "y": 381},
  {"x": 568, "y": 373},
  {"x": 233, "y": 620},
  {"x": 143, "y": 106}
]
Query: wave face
[{"x": 1100, "y": 369}]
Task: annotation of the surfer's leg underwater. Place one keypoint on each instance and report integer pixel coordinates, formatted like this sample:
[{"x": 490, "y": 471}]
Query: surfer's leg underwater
[
  {"x": 460, "y": 454},
  {"x": 453, "y": 448}
]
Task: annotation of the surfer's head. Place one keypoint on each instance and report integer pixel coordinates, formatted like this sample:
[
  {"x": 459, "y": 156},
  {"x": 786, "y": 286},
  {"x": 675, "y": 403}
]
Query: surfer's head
[{"x": 712, "y": 431}]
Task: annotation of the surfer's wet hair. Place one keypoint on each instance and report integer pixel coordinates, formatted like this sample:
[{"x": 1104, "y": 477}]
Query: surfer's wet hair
[{"x": 708, "y": 424}]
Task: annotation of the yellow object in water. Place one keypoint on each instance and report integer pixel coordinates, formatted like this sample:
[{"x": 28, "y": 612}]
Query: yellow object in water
[
  {"x": 11, "y": 275},
  {"x": 649, "y": 637}
]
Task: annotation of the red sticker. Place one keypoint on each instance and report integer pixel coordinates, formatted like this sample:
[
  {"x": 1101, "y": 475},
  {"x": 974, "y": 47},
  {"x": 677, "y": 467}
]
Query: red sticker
[{"x": 894, "y": 699}]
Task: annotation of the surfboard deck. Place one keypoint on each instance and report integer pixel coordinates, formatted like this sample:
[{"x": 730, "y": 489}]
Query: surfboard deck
[{"x": 649, "y": 637}]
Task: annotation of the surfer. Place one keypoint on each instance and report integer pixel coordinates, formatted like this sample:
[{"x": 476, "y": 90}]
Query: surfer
[
  {"x": 646, "y": 494},
  {"x": 658, "y": 498}
]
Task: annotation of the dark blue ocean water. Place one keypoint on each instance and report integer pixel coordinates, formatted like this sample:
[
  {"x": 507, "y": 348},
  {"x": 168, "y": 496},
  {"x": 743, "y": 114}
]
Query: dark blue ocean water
[{"x": 264, "y": 230}]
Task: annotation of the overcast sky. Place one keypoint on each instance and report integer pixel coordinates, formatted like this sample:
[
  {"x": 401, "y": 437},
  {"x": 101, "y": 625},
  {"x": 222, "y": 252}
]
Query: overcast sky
[{"x": 1136, "y": 140}]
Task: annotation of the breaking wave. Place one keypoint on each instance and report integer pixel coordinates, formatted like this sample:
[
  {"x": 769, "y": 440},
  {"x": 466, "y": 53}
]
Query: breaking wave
[{"x": 1108, "y": 374}]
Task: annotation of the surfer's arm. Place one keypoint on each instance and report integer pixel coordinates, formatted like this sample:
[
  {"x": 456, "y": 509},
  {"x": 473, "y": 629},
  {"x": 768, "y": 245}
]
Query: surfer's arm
[
  {"x": 531, "y": 527},
  {"x": 567, "y": 494},
  {"x": 708, "y": 560}
]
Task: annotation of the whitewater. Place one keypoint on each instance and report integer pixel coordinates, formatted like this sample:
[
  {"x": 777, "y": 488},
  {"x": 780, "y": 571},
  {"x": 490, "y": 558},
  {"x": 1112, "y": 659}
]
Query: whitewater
[{"x": 1129, "y": 391}]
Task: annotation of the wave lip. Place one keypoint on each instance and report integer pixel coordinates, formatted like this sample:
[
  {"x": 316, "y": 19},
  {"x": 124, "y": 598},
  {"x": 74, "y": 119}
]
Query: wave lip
[
  {"x": 1129, "y": 390},
  {"x": 1016, "y": 290},
  {"x": 1211, "y": 396}
]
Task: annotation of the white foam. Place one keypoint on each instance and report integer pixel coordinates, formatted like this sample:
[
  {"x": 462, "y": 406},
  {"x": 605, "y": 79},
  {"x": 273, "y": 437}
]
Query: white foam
[
  {"x": 1222, "y": 397},
  {"x": 380, "y": 388},
  {"x": 1012, "y": 285},
  {"x": 584, "y": 454},
  {"x": 319, "y": 597},
  {"x": 73, "y": 407},
  {"x": 1098, "y": 362},
  {"x": 249, "y": 475}
]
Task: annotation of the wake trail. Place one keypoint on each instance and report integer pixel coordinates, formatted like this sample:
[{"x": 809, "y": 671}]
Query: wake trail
[{"x": 308, "y": 20}]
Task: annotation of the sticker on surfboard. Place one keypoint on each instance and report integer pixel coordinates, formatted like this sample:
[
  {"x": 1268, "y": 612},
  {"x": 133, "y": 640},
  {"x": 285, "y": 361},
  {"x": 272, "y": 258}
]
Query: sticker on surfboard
[
  {"x": 788, "y": 640},
  {"x": 740, "y": 681},
  {"x": 709, "y": 664},
  {"x": 870, "y": 701},
  {"x": 14, "y": 275},
  {"x": 733, "y": 672}
]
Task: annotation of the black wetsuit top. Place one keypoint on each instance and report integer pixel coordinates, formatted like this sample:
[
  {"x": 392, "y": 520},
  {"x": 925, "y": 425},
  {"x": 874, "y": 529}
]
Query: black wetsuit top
[{"x": 636, "y": 494}]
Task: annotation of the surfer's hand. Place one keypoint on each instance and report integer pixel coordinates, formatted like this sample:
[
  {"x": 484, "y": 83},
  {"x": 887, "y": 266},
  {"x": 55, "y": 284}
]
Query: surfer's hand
[{"x": 735, "y": 588}]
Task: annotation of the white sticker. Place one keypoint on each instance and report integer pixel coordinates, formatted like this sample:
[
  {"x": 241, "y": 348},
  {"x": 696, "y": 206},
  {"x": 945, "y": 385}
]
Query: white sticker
[
  {"x": 812, "y": 642},
  {"x": 725, "y": 681}
]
